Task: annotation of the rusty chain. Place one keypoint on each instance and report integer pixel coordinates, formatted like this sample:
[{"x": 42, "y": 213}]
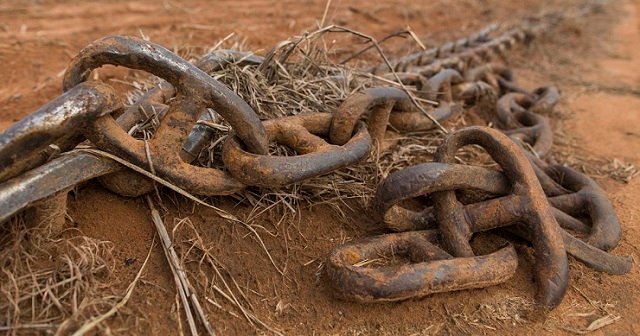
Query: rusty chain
[
  {"x": 525, "y": 205},
  {"x": 71, "y": 169},
  {"x": 544, "y": 204},
  {"x": 549, "y": 214}
]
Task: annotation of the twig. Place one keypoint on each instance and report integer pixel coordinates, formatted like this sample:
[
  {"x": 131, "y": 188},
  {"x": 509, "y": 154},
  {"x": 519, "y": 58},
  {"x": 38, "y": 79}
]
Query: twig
[
  {"x": 324, "y": 14},
  {"x": 186, "y": 291},
  {"x": 27, "y": 326},
  {"x": 415, "y": 38},
  {"x": 222, "y": 41},
  {"x": 362, "y": 51}
]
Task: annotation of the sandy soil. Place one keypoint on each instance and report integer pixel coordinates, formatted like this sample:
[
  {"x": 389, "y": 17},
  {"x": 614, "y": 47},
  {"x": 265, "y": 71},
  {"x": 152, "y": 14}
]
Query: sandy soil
[{"x": 601, "y": 87}]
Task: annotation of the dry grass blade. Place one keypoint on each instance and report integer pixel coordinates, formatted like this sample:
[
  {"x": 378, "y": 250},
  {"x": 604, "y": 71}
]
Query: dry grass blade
[
  {"x": 164, "y": 182},
  {"x": 291, "y": 45},
  {"x": 593, "y": 326},
  {"x": 213, "y": 266},
  {"x": 184, "y": 288},
  {"x": 95, "y": 321},
  {"x": 401, "y": 33}
]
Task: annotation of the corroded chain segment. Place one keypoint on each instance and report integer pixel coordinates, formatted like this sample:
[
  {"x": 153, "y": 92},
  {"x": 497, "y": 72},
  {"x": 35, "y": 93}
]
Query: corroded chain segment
[
  {"x": 154, "y": 103},
  {"x": 519, "y": 115},
  {"x": 525, "y": 203},
  {"x": 25, "y": 145},
  {"x": 438, "y": 87},
  {"x": 473, "y": 56},
  {"x": 195, "y": 91},
  {"x": 380, "y": 105},
  {"x": 52, "y": 178},
  {"x": 430, "y": 268},
  {"x": 303, "y": 134},
  {"x": 544, "y": 204},
  {"x": 577, "y": 195},
  {"x": 60, "y": 123},
  {"x": 41, "y": 182},
  {"x": 589, "y": 199},
  {"x": 350, "y": 140},
  {"x": 487, "y": 80},
  {"x": 427, "y": 56},
  {"x": 376, "y": 104}
]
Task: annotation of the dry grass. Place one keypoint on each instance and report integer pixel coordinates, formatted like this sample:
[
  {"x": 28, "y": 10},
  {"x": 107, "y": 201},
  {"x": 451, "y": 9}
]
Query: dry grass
[
  {"x": 50, "y": 283},
  {"x": 213, "y": 280}
]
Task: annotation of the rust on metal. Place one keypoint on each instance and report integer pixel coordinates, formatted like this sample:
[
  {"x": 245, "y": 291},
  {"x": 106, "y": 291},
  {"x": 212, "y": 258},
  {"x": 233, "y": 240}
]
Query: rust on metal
[
  {"x": 430, "y": 268},
  {"x": 585, "y": 198},
  {"x": 526, "y": 203},
  {"x": 220, "y": 59},
  {"x": 426, "y": 178},
  {"x": 519, "y": 115},
  {"x": 195, "y": 90},
  {"x": 302, "y": 133},
  {"x": 557, "y": 209},
  {"x": 383, "y": 106},
  {"x": 25, "y": 145},
  {"x": 498, "y": 76},
  {"x": 417, "y": 122},
  {"x": 428, "y": 56},
  {"x": 376, "y": 104},
  {"x": 448, "y": 86},
  {"x": 52, "y": 177},
  {"x": 129, "y": 183},
  {"x": 471, "y": 56},
  {"x": 438, "y": 87},
  {"x": 126, "y": 182},
  {"x": 49, "y": 212}
]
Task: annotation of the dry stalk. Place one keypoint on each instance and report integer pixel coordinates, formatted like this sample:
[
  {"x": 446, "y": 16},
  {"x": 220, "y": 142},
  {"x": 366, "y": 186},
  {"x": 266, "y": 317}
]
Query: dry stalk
[
  {"x": 201, "y": 252},
  {"x": 184, "y": 288}
]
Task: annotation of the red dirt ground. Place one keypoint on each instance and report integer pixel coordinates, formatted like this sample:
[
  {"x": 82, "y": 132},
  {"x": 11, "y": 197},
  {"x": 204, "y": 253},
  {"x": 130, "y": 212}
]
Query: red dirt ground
[{"x": 600, "y": 83}]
